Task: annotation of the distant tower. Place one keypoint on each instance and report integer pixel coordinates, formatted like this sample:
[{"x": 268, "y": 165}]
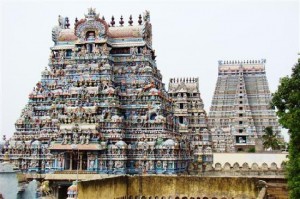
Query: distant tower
[
  {"x": 191, "y": 117},
  {"x": 240, "y": 107}
]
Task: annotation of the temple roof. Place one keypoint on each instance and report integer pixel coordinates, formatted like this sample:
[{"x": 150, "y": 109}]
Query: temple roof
[
  {"x": 125, "y": 32},
  {"x": 134, "y": 35},
  {"x": 67, "y": 35}
]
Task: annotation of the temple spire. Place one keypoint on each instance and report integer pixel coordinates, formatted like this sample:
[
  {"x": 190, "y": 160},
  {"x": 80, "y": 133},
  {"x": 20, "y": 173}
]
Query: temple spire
[
  {"x": 140, "y": 20},
  {"x": 112, "y": 21},
  {"x": 121, "y": 21},
  {"x": 130, "y": 20}
]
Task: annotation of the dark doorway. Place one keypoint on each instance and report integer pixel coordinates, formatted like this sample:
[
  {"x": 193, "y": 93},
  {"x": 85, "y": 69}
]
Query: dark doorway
[{"x": 62, "y": 192}]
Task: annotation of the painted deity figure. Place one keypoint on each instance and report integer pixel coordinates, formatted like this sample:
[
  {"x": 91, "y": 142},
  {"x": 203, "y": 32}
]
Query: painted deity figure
[
  {"x": 110, "y": 164},
  {"x": 59, "y": 162},
  {"x": 82, "y": 51},
  {"x": 82, "y": 139},
  {"x": 101, "y": 164},
  {"x": 92, "y": 162},
  {"x": 119, "y": 164},
  {"x": 75, "y": 139},
  {"x": 105, "y": 50},
  {"x": 65, "y": 139},
  {"x": 97, "y": 50},
  {"x": 134, "y": 52},
  {"x": 69, "y": 140},
  {"x": 145, "y": 51},
  {"x": 151, "y": 165},
  {"x": 61, "y": 21},
  {"x": 87, "y": 139},
  {"x": 75, "y": 136},
  {"x": 24, "y": 164}
]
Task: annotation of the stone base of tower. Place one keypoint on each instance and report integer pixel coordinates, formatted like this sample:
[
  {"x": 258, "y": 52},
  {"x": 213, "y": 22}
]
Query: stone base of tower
[
  {"x": 259, "y": 145},
  {"x": 245, "y": 148}
]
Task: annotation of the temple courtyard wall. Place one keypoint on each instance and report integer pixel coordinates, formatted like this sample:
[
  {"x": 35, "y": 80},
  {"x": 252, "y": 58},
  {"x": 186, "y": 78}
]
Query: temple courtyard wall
[
  {"x": 169, "y": 187},
  {"x": 232, "y": 175},
  {"x": 267, "y": 158}
]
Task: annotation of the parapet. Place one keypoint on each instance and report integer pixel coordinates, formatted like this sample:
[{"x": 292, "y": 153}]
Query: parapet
[
  {"x": 185, "y": 84},
  {"x": 244, "y": 65},
  {"x": 243, "y": 62},
  {"x": 184, "y": 79}
]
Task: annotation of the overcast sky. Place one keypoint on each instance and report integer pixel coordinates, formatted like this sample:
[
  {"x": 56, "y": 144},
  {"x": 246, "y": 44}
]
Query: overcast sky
[{"x": 189, "y": 38}]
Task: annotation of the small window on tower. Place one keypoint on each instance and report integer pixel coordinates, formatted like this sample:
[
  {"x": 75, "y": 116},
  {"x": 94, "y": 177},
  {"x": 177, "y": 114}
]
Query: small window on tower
[
  {"x": 68, "y": 53},
  {"x": 241, "y": 108},
  {"x": 90, "y": 35},
  {"x": 241, "y": 115},
  {"x": 240, "y": 130},
  {"x": 240, "y": 122},
  {"x": 181, "y": 119},
  {"x": 181, "y": 105},
  {"x": 90, "y": 48}
]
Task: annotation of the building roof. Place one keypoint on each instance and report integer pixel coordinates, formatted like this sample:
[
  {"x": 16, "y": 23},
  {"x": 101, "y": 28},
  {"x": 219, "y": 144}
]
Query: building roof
[{"x": 125, "y": 32}]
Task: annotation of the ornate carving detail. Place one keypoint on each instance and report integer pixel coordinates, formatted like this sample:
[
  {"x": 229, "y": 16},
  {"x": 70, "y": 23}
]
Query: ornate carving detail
[
  {"x": 97, "y": 26},
  {"x": 92, "y": 22},
  {"x": 146, "y": 16},
  {"x": 147, "y": 33},
  {"x": 55, "y": 33},
  {"x": 91, "y": 14}
]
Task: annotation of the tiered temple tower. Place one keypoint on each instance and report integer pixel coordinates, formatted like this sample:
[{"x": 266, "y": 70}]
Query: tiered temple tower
[
  {"x": 189, "y": 113},
  {"x": 240, "y": 107},
  {"x": 101, "y": 106}
]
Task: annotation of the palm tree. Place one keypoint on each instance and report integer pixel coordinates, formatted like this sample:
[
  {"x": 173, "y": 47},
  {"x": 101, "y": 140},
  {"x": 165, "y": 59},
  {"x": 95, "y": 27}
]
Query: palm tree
[{"x": 270, "y": 139}]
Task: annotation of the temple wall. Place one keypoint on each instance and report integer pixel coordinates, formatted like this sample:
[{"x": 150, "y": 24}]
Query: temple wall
[
  {"x": 250, "y": 158},
  {"x": 114, "y": 187},
  {"x": 169, "y": 186}
]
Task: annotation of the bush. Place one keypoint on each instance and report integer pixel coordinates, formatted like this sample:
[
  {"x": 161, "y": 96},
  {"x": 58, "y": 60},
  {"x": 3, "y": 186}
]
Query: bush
[{"x": 251, "y": 150}]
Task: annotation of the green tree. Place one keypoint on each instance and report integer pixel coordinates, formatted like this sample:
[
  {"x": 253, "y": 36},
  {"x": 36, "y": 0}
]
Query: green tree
[
  {"x": 287, "y": 101},
  {"x": 270, "y": 139}
]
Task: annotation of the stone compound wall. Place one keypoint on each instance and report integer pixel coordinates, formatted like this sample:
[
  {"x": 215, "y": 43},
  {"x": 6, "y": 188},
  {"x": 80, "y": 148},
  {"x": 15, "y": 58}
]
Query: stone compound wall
[
  {"x": 250, "y": 158},
  {"x": 247, "y": 164},
  {"x": 114, "y": 187},
  {"x": 175, "y": 187}
]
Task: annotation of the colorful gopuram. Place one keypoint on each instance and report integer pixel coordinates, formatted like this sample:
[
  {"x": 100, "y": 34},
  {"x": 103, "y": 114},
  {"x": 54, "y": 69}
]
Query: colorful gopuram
[
  {"x": 101, "y": 105},
  {"x": 189, "y": 113},
  {"x": 240, "y": 108}
]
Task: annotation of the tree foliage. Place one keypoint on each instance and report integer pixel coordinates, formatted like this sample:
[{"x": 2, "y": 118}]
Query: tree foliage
[
  {"x": 270, "y": 139},
  {"x": 287, "y": 101}
]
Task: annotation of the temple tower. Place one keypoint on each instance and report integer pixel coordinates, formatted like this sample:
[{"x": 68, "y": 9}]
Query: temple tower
[
  {"x": 240, "y": 107},
  {"x": 191, "y": 117},
  {"x": 101, "y": 106}
]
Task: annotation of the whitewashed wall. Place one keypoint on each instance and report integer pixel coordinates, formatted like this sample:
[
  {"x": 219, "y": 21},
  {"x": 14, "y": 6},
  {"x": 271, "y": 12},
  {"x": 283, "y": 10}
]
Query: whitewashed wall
[{"x": 250, "y": 158}]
